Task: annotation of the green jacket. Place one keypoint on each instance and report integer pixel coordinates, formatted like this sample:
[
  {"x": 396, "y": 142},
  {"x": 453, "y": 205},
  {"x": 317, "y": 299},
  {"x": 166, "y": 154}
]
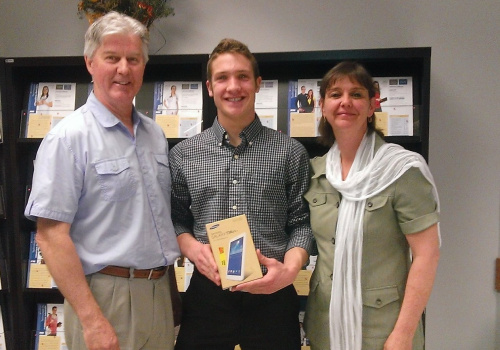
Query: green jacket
[{"x": 406, "y": 206}]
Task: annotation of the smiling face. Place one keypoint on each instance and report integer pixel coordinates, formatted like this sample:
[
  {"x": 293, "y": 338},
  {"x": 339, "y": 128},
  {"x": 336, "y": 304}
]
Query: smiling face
[
  {"x": 233, "y": 87},
  {"x": 117, "y": 69},
  {"x": 347, "y": 107}
]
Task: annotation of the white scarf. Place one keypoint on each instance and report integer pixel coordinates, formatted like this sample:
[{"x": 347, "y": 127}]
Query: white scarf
[{"x": 369, "y": 175}]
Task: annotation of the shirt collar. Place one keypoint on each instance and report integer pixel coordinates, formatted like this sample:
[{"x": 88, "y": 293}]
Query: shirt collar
[
  {"x": 250, "y": 133},
  {"x": 104, "y": 116}
]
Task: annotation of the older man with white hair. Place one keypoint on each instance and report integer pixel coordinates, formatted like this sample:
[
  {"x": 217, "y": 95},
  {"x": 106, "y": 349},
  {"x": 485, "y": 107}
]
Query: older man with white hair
[{"x": 101, "y": 199}]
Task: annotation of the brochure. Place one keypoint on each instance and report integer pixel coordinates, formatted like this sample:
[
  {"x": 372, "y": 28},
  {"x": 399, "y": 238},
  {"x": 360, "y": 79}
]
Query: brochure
[
  {"x": 38, "y": 273},
  {"x": 183, "y": 272},
  {"x": 48, "y": 103},
  {"x": 301, "y": 282},
  {"x": 394, "y": 108},
  {"x": 266, "y": 103},
  {"x": 178, "y": 107},
  {"x": 50, "y": 327},
  {"x": 304, "y": 113},
  {"x": 234, "y": 251}
]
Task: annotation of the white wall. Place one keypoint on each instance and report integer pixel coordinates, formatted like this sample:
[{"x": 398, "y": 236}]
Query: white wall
[{"x": 464, "y": 310}]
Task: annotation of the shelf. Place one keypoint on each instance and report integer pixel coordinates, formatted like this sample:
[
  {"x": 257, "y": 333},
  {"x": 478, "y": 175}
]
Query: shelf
[{"x": 17, "y": 153}]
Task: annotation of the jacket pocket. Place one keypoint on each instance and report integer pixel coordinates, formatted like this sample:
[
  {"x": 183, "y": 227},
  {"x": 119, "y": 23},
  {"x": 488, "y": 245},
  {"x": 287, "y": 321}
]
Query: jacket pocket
[
  {"x": 116, "y": 179},
  {"x": 376, "y": 203},
  {"x": 381, "y": 308},
  {"x": 380, "y": 297},
  {"x": 314, "y": 199}
]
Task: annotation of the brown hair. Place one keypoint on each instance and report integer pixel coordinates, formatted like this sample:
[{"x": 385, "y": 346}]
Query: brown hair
[
  {"x": 232, "y": 46},
  {"x": 355, "y": 72}
]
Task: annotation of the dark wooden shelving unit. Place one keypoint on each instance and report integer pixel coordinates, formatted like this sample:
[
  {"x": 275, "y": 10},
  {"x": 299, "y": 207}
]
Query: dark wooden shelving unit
[{"x": 17, "y": 153}]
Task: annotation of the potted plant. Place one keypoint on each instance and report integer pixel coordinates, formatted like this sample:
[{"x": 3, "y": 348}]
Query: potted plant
[{"x": 145, "y": 11}]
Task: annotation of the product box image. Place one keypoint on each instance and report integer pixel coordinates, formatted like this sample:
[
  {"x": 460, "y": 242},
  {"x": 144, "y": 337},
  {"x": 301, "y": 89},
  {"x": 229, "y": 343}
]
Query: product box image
[{"x": 234, "y": 251}]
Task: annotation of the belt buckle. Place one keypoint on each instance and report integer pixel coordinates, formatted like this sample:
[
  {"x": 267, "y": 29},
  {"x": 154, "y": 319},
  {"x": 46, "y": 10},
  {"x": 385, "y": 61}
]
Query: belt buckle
[{"x": 150, "y": 273}]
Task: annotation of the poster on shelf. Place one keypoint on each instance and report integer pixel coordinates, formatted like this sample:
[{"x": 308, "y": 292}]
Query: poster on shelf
[
  {"x": 48, "y": 103},
  {"x": 178, "y": 107},
  {"x": 50, "y": 327},
  {"x": 38, "y": 272},
  {"x": 301, "y": 282},
  {"x": 394, "y": 106},
  {"x": 304, "y": 113},
  {"x": 184, "y": 269},
  {"x": 266, "y": 103}
]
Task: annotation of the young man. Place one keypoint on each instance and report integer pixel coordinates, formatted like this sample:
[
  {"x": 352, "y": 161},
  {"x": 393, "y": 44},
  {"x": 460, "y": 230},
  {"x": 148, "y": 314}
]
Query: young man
[
  {"x": 240, "y": 167},
  {"x": 302, "y": 99},
  {"x": 101, "y": 198}
]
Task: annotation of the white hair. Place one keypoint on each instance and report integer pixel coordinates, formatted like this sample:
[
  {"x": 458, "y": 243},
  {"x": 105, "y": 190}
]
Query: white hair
[{"x": 115, "y": 23}]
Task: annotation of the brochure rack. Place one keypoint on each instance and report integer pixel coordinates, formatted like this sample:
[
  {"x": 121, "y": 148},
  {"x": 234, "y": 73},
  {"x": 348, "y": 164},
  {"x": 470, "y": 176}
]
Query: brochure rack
[{"x": 18, "y": 303}]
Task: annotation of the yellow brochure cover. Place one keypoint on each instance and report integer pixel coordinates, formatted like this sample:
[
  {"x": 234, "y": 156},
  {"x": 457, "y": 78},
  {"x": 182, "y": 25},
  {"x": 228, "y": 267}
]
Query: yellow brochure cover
[{"x": 234, "y": 251}]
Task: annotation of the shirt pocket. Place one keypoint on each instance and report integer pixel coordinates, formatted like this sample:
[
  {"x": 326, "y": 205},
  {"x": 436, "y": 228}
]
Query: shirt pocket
[
  {"x": 380, "y": 224},
  {"x": 375, "y": 203},
  {"x": 116, "y": 179},
  {"x": 323, "y": 209},
  {"x": 381, "y": 308},
  {"x": 163, "y": 175},
  {"x": 314, "y": 198}
]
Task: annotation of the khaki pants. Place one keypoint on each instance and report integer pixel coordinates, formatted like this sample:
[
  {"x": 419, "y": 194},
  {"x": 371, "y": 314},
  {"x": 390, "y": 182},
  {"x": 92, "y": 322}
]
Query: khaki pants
[{"x": 139, "y": 309}]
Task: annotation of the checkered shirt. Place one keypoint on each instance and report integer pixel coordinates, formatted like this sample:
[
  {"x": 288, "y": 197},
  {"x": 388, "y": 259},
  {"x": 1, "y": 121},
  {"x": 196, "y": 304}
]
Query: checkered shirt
[{"x": 265, "y": 178}]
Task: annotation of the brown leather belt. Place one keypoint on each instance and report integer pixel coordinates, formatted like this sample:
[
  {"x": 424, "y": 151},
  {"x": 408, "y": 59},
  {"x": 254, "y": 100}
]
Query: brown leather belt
[{"x": 125, "y": 272}]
